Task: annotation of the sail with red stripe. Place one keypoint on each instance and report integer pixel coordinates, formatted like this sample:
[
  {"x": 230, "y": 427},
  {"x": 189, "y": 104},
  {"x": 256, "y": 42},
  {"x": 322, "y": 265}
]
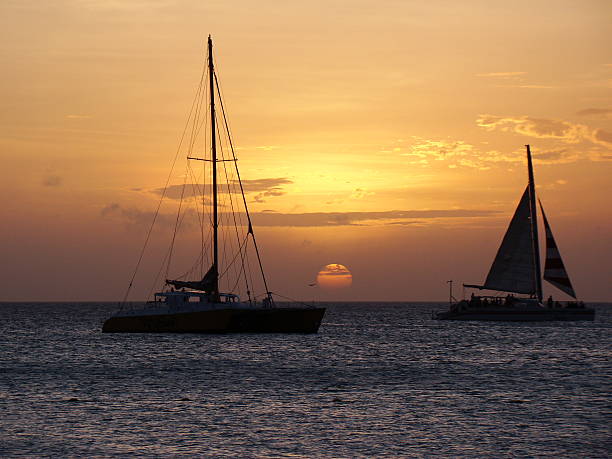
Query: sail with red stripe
[{"x": 554, "y": 270}]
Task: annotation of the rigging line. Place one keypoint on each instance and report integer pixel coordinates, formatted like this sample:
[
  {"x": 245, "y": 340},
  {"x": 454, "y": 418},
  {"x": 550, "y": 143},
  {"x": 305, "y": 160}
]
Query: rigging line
[
  {"x": 229, "y": 191},
  {"x": 241, "y": 244},
  {"x": 196, "y": 192},
  {"x": 238, "y": 277},
  {"x": 161, "y": 268},
  {"x": 186, "y": 273},
  {"x": 161, "y": 199},
  {"x": 245, "y": 268},
  {"x": 195, "y": 122},
  {"x": 176, "y": 225},
  {"x": 200, "y": 259},
  {"x": 250, "y": 230},
  {"x": 294, "y": 300}
]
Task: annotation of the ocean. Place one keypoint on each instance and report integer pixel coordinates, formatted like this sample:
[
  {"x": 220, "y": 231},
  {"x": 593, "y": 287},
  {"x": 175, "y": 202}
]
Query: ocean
[{"x": 378, "y": 380}]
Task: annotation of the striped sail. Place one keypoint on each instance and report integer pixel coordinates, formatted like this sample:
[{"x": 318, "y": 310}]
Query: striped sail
[
  {"x": 554, "y": 270},
  {"x": 513, "y": 269}
]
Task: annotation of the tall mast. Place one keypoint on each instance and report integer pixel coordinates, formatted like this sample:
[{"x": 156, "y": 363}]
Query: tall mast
[
  {"x": 211, "y": 73},
  {"x": 534, "y": 227}
]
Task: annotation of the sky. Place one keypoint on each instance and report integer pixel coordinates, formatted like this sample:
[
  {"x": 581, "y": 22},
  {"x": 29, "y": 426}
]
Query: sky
[{"x": 387, "y": 137}]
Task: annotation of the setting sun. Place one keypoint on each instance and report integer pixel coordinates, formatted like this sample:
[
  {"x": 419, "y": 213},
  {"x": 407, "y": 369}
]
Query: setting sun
[{"x": 334, "y": 276}]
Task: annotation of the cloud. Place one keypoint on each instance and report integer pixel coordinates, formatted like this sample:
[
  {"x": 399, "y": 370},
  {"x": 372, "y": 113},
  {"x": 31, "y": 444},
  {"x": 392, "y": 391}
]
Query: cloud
[
  {"x": 456, "y": 152},
  {"x": 266, "y": 187},
  {"x": 501, "y": 74},
  {"x": 515, "y": 80},
  {"x": 52, "y": 181},
  {"x": 268, "y": 218},
  {"x": 562, "y": 155},
  {"x": 134, "y": 216},
  {"x": 360, "y": 218},
  {"x": 541, "y": 128},
  {"x": 527, "y": 86},
  {"x": 602, "y": 137},
  {"x": 603, "y": 112},
  {"x": 335, "y": 270},
  {"x": 567, "y": 141}
]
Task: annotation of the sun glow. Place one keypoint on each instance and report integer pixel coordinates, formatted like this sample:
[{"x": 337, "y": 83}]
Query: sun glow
[{"x": 334, "y": 276}]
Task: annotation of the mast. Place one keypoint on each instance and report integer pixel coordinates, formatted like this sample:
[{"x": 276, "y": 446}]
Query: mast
[
  {"x": 534, "y": 227},
  {"x": 211, "y": 73}
]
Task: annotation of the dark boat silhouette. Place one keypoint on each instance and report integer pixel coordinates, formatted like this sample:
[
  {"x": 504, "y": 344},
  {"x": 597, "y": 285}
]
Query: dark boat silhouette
[
  {"x": 516, "y": 270},
  {"x": 198, "y": 306}
]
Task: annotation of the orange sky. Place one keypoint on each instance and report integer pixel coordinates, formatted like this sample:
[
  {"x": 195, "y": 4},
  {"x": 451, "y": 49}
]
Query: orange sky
[{"x": 384, "y": 136}]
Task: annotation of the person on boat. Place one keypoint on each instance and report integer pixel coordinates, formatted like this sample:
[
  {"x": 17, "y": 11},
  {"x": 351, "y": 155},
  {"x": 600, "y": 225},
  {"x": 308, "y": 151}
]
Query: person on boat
[{"x": 549, "y": 302}]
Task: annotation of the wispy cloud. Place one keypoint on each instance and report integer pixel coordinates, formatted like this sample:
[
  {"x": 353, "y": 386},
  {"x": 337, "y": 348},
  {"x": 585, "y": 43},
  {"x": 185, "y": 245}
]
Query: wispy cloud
[
  {"x": 503, "y": 75},
  {"x": 602, "y": 137},
  {"x": 595, "y": 112},
  {"x": 541, "y": 128},
  {"x": 562, "y": 142},
  {"x": 269, "y": 218},
  {"x": 265, "y": 187},
  {"x": 527, "y": 86},
  {"x": 513, "y": 80},
  {"x": 569, "y": 141},
  {"x": 455, "y": 153},
  {"x": 133, "y": 216},
  {"x": 361, "y": 218},
  {"x": 78, "y": 117}
]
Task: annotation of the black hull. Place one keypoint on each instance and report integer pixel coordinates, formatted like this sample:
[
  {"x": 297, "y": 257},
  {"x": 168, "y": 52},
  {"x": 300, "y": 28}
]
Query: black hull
[
  {"x": 520, "y": 315},
  {"x": 268, "y": 320}
]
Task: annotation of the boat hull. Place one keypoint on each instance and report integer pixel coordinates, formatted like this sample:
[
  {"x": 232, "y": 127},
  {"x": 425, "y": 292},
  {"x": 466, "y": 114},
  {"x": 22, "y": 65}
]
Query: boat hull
[
  {"x": 248, "y": 320},
  {"x": 519, "y": 314}
]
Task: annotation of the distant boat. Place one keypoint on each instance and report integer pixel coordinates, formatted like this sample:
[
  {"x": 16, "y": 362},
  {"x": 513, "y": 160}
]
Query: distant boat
[
  {"x": 516, "y": 270},
  {"x": 198, "y": 306}
]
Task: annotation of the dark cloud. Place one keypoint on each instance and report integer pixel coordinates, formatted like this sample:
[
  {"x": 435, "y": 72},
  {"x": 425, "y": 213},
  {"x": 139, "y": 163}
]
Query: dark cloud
[
  {"x": 134, "y": 216},
  {"x": 266, "y": 187},
  {"x": 603, "y": 136},
  {"x": 595, "y": 112},
  {"x": 269, "y": 218},
  {"x": 359, "y": 218},
  {"x": 265, "y": 184},
  {"x": 52, "y": 180}
]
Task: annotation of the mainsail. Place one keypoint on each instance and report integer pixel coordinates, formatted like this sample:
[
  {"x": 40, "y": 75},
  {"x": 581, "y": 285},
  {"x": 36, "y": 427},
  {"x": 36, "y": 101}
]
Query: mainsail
[
  {"x": 514, "y": 268},
  {"x": 207, "y": 284},
  {"x": 554, "y": 270}
]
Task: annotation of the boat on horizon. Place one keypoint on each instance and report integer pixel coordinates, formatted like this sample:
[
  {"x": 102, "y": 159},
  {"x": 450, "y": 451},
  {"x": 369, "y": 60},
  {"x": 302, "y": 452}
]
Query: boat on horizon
[
  {"x": 516, "y": 270},
  {"x": 198, "y": 306}
]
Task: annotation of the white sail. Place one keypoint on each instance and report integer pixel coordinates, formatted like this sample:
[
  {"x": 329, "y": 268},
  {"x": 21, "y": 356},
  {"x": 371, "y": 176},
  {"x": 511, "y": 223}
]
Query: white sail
[
  {"x": 513, "y": 269},
  {"x": 554, "y": 269}
]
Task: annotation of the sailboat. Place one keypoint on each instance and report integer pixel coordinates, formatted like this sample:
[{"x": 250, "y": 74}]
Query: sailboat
[
  {"x": 516, "y": 270},
  {"x": 199, "y": 306}
]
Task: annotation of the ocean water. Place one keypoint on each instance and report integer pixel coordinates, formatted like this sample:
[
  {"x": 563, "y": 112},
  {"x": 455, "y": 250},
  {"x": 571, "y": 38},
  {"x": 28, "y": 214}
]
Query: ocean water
[{"x": 379, "y": 380}]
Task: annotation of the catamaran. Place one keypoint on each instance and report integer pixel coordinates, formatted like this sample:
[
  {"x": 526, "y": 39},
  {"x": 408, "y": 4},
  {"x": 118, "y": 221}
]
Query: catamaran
[
  {"x": 516, "y": 270},
  {"x": 199, "y": 306}
]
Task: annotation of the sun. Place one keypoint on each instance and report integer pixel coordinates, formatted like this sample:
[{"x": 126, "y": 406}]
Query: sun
[{"x": 334, "y": 276}]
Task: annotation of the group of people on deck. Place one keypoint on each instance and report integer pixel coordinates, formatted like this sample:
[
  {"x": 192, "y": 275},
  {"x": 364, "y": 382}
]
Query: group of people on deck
[
  {"x": 570, "y": 304},
  {"x": 493, "y": 301}
]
